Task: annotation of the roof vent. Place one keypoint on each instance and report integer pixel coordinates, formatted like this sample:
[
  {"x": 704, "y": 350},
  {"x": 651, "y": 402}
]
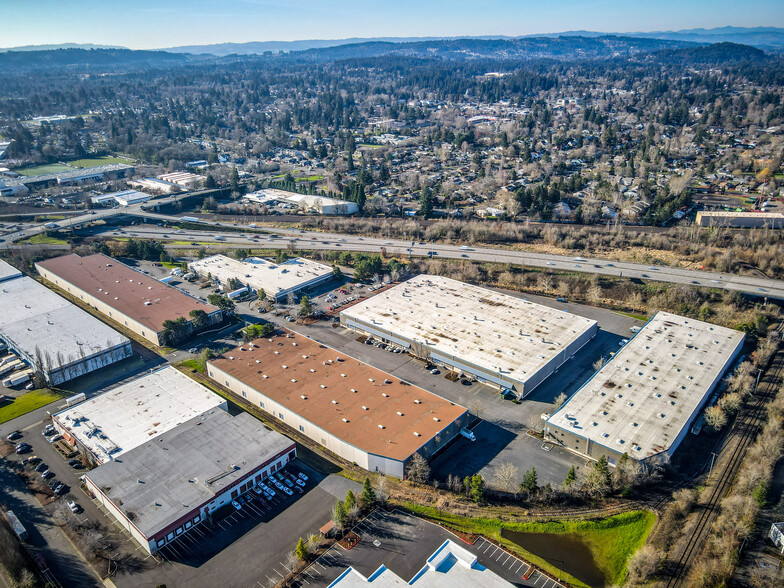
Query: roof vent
[
  {"x": 265, "y": 376},
  {"x": 354, "y": 391},
  {"x": 436, "y": 419},
  {"x": 399, "y": 413},
  {"x": 385, "y": 395},
  {"x": 304, "y": 357},
  {"x": 312, "y": 371},
  {"x": 343, "y": 375},
  {"x": 364, "y": 407},
  {"x": 293, "y": 380},
  {"x": 304, "y": 397},
  {"x": 371, "y": 380},
  {"x": 284, "y": 366},
  {"x": 381, "y": 427},
  {"x": 345, "y": 420},
  {"x": 417, "y": 434},
  {"x": 417, "y": 401}
]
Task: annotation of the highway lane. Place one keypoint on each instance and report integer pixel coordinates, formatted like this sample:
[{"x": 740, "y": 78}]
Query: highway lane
[{"x": 282, "y": 238}]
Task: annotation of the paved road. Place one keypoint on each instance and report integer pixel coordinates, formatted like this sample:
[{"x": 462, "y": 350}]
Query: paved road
[{"x": 287, "y": 238}]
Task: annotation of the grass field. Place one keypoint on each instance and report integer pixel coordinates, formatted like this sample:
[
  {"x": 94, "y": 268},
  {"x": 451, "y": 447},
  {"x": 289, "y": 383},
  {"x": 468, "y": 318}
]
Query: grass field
[
  {"x": 611, "y": 540},
  {"x": 43, "y": 239},
  {"x": 194, "y": 364},
  {"x": 95, "y": 161},
  {"x": 43, "y": 169},
  {"x": 26, "y": 403}
]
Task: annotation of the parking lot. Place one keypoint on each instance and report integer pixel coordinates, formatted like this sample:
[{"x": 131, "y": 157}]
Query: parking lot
[{"x": 402, "y": 543}]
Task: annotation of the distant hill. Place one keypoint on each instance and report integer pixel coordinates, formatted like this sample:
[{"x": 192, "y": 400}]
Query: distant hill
[
  {"x": 86, "y": 59},
  {"x": 560, "y": 48},
  {"x": 716, "y": 54},
  {"x": 761, "y": 37},
  {"x": 60, "y": 46}
]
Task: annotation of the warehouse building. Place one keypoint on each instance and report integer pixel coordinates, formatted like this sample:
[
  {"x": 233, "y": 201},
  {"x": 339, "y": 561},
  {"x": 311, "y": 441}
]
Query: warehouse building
[
  {"x": 113, "y": 423},
  {"x": 156, "y": 186},
  {"x": 125, "y": 295},
  {"x": 112, "y": 171},
  {"x": 8, "y": 272},
  {"x": 123, "y": 198},
  {"x": 450, "y": 566},
  {"x": 173, "y": 482},
  {"x": 277, "y": 279},
  {"x": 303, "y": 202},
  {"x": 358, "y": 412},
  {"x": 500, "y": 340},
  {"x": 644, "y": 400},
  {"x": 740, "y": 220},
  {"x": 185, "y": 180},
  {"x": 49, "y": 333}
]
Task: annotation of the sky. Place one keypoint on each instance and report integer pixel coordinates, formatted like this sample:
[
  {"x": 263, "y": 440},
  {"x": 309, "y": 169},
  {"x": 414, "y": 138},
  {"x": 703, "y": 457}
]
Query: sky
[{"x": 149, "y": 24}]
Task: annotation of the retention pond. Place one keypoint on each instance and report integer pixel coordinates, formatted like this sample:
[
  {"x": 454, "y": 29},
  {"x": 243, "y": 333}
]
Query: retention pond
[{"x": 564, "y": 551}]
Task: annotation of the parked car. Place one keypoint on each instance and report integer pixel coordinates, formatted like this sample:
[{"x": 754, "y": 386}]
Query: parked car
[
  {"x": 60, "y": 489},
  {"x": 40, "y": 467},
  {"x": 236, "y": 505},
  {"x": 32, "y": 460},
  {"x": 46, "y": 473},
  {"x": 287, "y": 490},
  {"x": 14, "y": 436},
  {"x": 73, "y": 506},
  {"x": 23, "y": 449},
  {"x": 302, "y": 476},
  {"x": 75, "y": 464},
  {"x": 55, "y": 438},
  {"x": 435, "y": 371}
]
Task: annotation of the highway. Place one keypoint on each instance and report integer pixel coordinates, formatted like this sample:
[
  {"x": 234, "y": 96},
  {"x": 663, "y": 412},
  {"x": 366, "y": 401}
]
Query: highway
[{"x": 279, "y": 238}]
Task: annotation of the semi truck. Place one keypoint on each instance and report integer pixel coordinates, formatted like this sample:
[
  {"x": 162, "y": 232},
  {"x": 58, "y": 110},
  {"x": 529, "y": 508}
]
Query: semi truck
[
  {"x": 18, "y": 378},
  {"x": 11, "y": 366},
  {"x": 16, "y": 525}
]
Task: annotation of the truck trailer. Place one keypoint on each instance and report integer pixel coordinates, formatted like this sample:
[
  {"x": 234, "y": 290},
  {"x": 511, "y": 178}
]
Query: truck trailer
[{"x": 18, "y": 378}]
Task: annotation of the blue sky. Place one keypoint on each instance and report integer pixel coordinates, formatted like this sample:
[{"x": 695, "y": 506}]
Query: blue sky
[{"x": 144, "y": 24}]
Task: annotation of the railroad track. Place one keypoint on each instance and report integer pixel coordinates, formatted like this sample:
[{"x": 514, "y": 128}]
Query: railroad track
[{"x": 745, "y": 430}]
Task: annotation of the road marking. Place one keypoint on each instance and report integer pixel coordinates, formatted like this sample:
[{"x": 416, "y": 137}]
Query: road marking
[
  {"x": 278, "y": 573},
  {"x": 503, "y": 553},
  {"x": 522, "y": 563},
  {"x": 503, "y": 563}
]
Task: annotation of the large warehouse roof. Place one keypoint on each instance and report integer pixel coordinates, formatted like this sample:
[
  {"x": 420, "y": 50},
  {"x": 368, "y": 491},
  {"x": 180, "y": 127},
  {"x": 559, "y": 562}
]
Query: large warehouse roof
[
  {"x": 130, "y": 292},
  {"x": 260, "y": 273},
  {"x": 497, "y": 332},
  {"x": 170, "y": 476},
  {"x": 8, "y": 272},
  {"x": 41, "y": 323},
  {"x": 365, "y": 407},
  {"x": 116, "y": 421},
  {"x": 639, "y": 402}
]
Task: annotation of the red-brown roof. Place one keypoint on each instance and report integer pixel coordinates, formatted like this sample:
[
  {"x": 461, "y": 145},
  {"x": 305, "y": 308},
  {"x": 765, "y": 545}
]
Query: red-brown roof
[
  {"x": 125, "y": 289},
  {"x": 336, "y": 387}
]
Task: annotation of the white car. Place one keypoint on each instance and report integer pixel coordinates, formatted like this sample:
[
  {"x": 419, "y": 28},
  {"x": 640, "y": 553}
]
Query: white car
[
  {"x": 236, "y": 505},
  {"x": 302, "y": 476},
  {"x": 287, "y": 490},
  {"x": 73, "y": 506}
]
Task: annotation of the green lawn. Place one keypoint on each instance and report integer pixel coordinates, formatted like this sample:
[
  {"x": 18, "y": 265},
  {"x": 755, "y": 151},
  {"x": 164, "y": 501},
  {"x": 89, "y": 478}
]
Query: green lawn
[
  {"x": 611, "y": 540},
  {"x": 639, "y": 317},
  {"x": 96, "y": 161},
  {"x": 44, "y": 239},
  {"x": 194, "y": 364},
  {"x": 43, "y": 169},
  {"x": 170, "y": 264},
  {"x": 26, "y": 403},
  {"x": 369, "y": 145}
]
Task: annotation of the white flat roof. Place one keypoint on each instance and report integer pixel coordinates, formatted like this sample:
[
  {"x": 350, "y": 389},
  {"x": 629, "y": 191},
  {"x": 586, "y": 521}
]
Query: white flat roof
[
  {"x": 8, "y": 272},
  {"x": 743, "y": 214},
  {"x": 308, "y": 201},
  {"x": 260, "y": 273},
  {"x": 38, "y": 321},
  {"x": 497, "y": 332},
  {"x": 451, "y": 566},
  {"x": 131, "y": 414},
  {"x": 642, "y": 398}
]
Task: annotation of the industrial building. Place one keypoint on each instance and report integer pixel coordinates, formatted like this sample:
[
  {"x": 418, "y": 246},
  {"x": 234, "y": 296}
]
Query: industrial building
[
  {"x": 277, "y": 279},
  {"x": 740, "y": 220},
  {"x": 8, "y": 272},
  {"x": 303, "y": 202},
  {"x": 49, "y": 333},
  {"x": 186, "y": 180},
  {"x": 173, "y": 482},
  {"x": 358, "y": 412},
  {"x": 450, "y": 566},
  {"x": 500, "y": 340},
  {"x": 113, "y": 423},
  {"x": 123, "y": 198},
  {"x": 98, "y": 173},
  {"x": 644, "y": 400},
  {"x": 156, "y": 186},
  {"x": 123, "y": 294}
]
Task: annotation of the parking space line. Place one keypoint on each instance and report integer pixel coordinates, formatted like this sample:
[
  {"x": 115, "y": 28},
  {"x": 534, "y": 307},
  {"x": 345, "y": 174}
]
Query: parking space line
[
  {"x": 278, "y": 573},
  {"x": 503, "y": 563},
  {"x": 503, "y": 553},
  {"x": 522, "y": 563}
]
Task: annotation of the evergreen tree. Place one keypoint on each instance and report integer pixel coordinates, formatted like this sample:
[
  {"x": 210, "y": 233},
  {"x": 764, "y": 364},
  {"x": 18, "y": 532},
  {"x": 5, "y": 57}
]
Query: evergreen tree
[
  {"x": 368, "y": 496},
  {"x": 301, "y": 550}
]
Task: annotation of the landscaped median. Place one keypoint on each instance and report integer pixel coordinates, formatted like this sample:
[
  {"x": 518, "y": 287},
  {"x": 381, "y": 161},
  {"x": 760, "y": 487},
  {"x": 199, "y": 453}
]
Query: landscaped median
[
  {"x": 27, "y": 402},
  {"x": 609, "y": 541}
]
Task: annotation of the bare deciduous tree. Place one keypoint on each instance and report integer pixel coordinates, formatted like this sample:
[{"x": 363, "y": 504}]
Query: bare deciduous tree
[
  {"x": 507, "y": 477},
  {"x": 418, "y": 469}
]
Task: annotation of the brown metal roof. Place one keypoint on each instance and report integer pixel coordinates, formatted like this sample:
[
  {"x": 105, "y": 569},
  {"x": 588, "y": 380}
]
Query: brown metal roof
[
  {"x": 125, "y": 289},
  {"x": 336, "y": 387}
]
